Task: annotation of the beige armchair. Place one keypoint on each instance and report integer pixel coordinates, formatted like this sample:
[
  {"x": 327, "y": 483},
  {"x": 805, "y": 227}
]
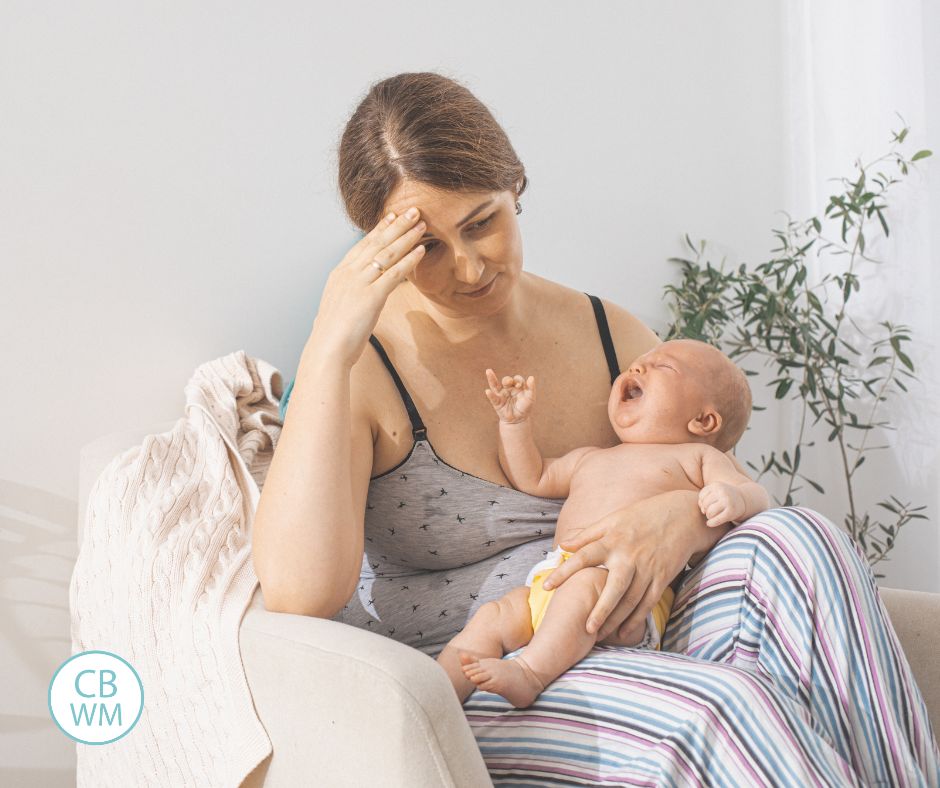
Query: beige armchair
[{"x": 344, "y": 706}]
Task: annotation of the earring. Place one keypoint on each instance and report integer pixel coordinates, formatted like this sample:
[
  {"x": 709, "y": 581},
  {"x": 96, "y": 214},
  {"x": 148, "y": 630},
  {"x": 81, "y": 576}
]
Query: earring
[{"x": 518, "y": 207}]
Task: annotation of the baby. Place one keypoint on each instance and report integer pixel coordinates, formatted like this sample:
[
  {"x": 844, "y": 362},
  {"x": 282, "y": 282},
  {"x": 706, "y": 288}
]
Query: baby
[{"x": 677, "y": 410}]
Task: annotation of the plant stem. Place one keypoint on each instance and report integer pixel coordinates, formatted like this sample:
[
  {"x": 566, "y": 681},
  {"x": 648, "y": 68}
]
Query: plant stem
[
  {"x": 846, "y": 292},
  {"x": 871, "y": 416}
]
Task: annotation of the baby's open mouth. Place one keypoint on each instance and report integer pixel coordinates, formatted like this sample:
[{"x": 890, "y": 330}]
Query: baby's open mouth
[{"x": 631, "y": 390}]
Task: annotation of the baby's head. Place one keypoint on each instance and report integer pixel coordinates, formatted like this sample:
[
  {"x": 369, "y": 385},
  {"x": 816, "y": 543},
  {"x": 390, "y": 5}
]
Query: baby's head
[{"x": 682, "y": 391}]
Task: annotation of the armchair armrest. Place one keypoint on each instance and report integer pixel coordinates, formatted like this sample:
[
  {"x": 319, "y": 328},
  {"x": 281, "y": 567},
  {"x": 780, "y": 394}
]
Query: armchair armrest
[
  {"x": 344, "y": 706},
  {"x": 341, "y": 705},
  {"x": 914, "y": 616}
]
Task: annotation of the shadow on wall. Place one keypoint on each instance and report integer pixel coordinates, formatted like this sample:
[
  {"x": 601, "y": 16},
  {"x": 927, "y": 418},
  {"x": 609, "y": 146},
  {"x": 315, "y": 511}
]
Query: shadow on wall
[{"x": 38, "y": 549}]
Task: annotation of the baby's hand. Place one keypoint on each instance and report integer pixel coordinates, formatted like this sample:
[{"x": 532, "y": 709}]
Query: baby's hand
[
  {"x": 514, "y": 399},
  {"x": 721, "y": 503}
]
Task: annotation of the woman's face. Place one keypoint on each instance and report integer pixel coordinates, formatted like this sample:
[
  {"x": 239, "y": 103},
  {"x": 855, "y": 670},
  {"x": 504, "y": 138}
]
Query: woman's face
[{"x": 472, "y": 243}]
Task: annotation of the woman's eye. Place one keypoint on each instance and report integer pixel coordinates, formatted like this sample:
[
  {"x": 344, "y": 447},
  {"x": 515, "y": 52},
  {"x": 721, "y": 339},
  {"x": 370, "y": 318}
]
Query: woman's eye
[{"x": 429, "y": 245}]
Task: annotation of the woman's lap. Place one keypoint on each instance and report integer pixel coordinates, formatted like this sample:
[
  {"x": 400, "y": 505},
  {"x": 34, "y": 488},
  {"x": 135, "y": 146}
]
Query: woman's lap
[{"x": 779, "y": 667}]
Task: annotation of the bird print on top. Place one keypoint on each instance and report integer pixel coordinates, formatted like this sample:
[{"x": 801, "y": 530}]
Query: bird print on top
[{"x": 426, "y": 567}]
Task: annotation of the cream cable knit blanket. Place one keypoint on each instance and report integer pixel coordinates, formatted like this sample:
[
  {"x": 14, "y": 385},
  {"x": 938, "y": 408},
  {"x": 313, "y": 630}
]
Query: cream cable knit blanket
[{"x": 164, "y": 576}]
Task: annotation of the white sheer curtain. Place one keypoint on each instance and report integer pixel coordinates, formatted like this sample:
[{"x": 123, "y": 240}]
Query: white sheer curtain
[{"x": 849, "y": 67}]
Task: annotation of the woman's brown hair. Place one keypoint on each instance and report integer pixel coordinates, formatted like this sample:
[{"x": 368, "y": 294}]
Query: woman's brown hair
[{"x": 427, "y": 128}]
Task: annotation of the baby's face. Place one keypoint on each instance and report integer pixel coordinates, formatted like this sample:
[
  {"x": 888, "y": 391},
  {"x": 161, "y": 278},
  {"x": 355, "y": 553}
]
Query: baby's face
[{"x": 662, "y": 392}]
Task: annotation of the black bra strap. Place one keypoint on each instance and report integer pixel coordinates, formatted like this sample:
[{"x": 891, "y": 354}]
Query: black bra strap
[
  {"x": 606, "y": 341},
  {"x": 418, "y": 430}
]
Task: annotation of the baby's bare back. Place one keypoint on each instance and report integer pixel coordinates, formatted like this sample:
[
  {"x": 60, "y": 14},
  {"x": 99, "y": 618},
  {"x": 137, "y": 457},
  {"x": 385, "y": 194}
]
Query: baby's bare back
[{"x": 610, "y": 479}]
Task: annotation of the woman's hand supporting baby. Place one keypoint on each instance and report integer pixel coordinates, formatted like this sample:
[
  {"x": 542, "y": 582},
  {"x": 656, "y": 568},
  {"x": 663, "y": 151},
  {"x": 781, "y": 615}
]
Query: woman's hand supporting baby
[{"x": 644, "y": 546}]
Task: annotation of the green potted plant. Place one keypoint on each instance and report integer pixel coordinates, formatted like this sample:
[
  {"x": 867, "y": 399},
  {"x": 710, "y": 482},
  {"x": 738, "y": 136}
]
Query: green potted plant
[{"x": 777, "y": 314}]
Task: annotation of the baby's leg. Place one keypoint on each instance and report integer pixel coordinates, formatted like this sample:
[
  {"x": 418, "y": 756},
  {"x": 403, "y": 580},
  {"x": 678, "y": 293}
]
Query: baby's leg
[
  {"x": 495, "y": 629},
  {"x": 560, "y": 642}
]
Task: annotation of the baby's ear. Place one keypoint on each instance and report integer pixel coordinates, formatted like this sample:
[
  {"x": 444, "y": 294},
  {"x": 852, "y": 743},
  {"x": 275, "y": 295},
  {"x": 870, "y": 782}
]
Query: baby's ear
[{"x": 706, "y": 424}]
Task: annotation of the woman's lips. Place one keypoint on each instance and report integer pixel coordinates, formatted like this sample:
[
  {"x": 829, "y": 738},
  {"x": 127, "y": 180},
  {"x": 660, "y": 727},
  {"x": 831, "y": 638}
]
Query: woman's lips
[{"x": 482, "y": 291}]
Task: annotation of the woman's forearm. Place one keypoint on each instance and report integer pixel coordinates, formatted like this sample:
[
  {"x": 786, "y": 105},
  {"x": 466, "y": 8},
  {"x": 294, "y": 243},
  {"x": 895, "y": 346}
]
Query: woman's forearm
[
  {"x": 307, "y": 542},
  {"x": 682, "y": 506}
]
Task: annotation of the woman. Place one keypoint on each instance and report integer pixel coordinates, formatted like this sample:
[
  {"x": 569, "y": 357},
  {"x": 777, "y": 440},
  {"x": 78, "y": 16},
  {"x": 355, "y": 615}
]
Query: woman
[{"x": 779, "y": 662}]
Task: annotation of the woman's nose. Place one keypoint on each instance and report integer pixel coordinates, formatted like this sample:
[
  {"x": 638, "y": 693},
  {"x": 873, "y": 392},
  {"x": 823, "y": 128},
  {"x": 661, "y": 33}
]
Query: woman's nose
[{"x": 467, "y": 268}]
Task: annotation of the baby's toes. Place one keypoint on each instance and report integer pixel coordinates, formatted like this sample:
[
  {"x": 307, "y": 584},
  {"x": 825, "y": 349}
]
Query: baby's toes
[
  {"x": 470, "y": 670},
  {"x": 481, "y": 677},
  {"x": 466, "y": 659}
]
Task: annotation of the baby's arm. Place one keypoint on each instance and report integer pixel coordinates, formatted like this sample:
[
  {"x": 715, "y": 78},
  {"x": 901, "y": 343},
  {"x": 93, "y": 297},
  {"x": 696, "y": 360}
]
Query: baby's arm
[
  {"x": 520, "y": 458},
  {"x": 728, "y": 495},
  {"x": 525, "y": 468}
]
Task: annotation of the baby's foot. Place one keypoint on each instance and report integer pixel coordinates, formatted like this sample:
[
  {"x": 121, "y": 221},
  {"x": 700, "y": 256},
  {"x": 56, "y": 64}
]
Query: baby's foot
[{"x": 512, "y": 678}]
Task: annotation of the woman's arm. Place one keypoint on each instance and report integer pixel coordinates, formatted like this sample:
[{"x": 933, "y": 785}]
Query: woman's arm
[
  {"x": 644, "y": 546},
  {"x": 308, "y": 531}
]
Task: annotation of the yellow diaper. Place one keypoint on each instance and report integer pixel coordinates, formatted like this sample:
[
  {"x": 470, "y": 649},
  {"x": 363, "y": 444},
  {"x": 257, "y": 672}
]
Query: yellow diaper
[{"x": 539, "y": 597}]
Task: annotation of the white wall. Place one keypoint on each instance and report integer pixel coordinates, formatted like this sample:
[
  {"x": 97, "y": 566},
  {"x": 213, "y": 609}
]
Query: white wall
[{"x": 168, "y": 196}]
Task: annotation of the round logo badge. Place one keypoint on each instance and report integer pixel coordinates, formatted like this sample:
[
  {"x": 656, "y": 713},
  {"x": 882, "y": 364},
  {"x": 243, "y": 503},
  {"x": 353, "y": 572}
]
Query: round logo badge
[{"x": 96, "y": 697}]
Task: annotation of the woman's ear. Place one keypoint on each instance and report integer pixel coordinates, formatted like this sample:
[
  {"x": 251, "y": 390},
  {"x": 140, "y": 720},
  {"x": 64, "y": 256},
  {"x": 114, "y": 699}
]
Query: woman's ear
[{"x": 706, "y": 424}]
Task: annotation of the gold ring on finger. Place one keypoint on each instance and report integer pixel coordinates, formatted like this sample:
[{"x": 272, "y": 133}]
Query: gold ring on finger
[{"x": 377, "y": 265}]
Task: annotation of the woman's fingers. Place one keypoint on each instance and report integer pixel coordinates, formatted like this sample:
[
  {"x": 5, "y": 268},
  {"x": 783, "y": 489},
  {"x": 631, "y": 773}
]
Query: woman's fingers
[
  {"x": 399, "y": 249},
  {"x": 585, "y": 535},
  {"x": 371, "y": 237},
  {"x": 371, "y": 242},
  {"x": 396, "y": 271},
  {"x": 618, "y": 589},
  {"x": 651, "y": 596},
  {"x": 356, "y": 291},
  {"x": 586, "y": 556},
  {"x": 385, "y": 232},
  {"x": 623, "y": 606},
  {"x": 611, "y": 595}
]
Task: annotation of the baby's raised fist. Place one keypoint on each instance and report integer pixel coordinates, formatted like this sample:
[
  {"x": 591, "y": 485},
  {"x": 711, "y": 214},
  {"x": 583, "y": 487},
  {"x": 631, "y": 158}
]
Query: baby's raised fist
[
  {"x": 512, "y": 398},
  {"x": 721, "y": 503}
]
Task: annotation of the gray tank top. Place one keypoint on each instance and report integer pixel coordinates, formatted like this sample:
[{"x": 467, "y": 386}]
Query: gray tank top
[{"x": 440, "y": 542}]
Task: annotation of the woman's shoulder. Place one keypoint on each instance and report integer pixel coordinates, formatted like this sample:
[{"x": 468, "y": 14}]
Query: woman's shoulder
[{"x": 630, "y": 335}]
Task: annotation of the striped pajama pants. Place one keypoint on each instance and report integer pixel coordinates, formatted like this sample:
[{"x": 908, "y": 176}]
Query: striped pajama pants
[{"x": 779, "y": 667}]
